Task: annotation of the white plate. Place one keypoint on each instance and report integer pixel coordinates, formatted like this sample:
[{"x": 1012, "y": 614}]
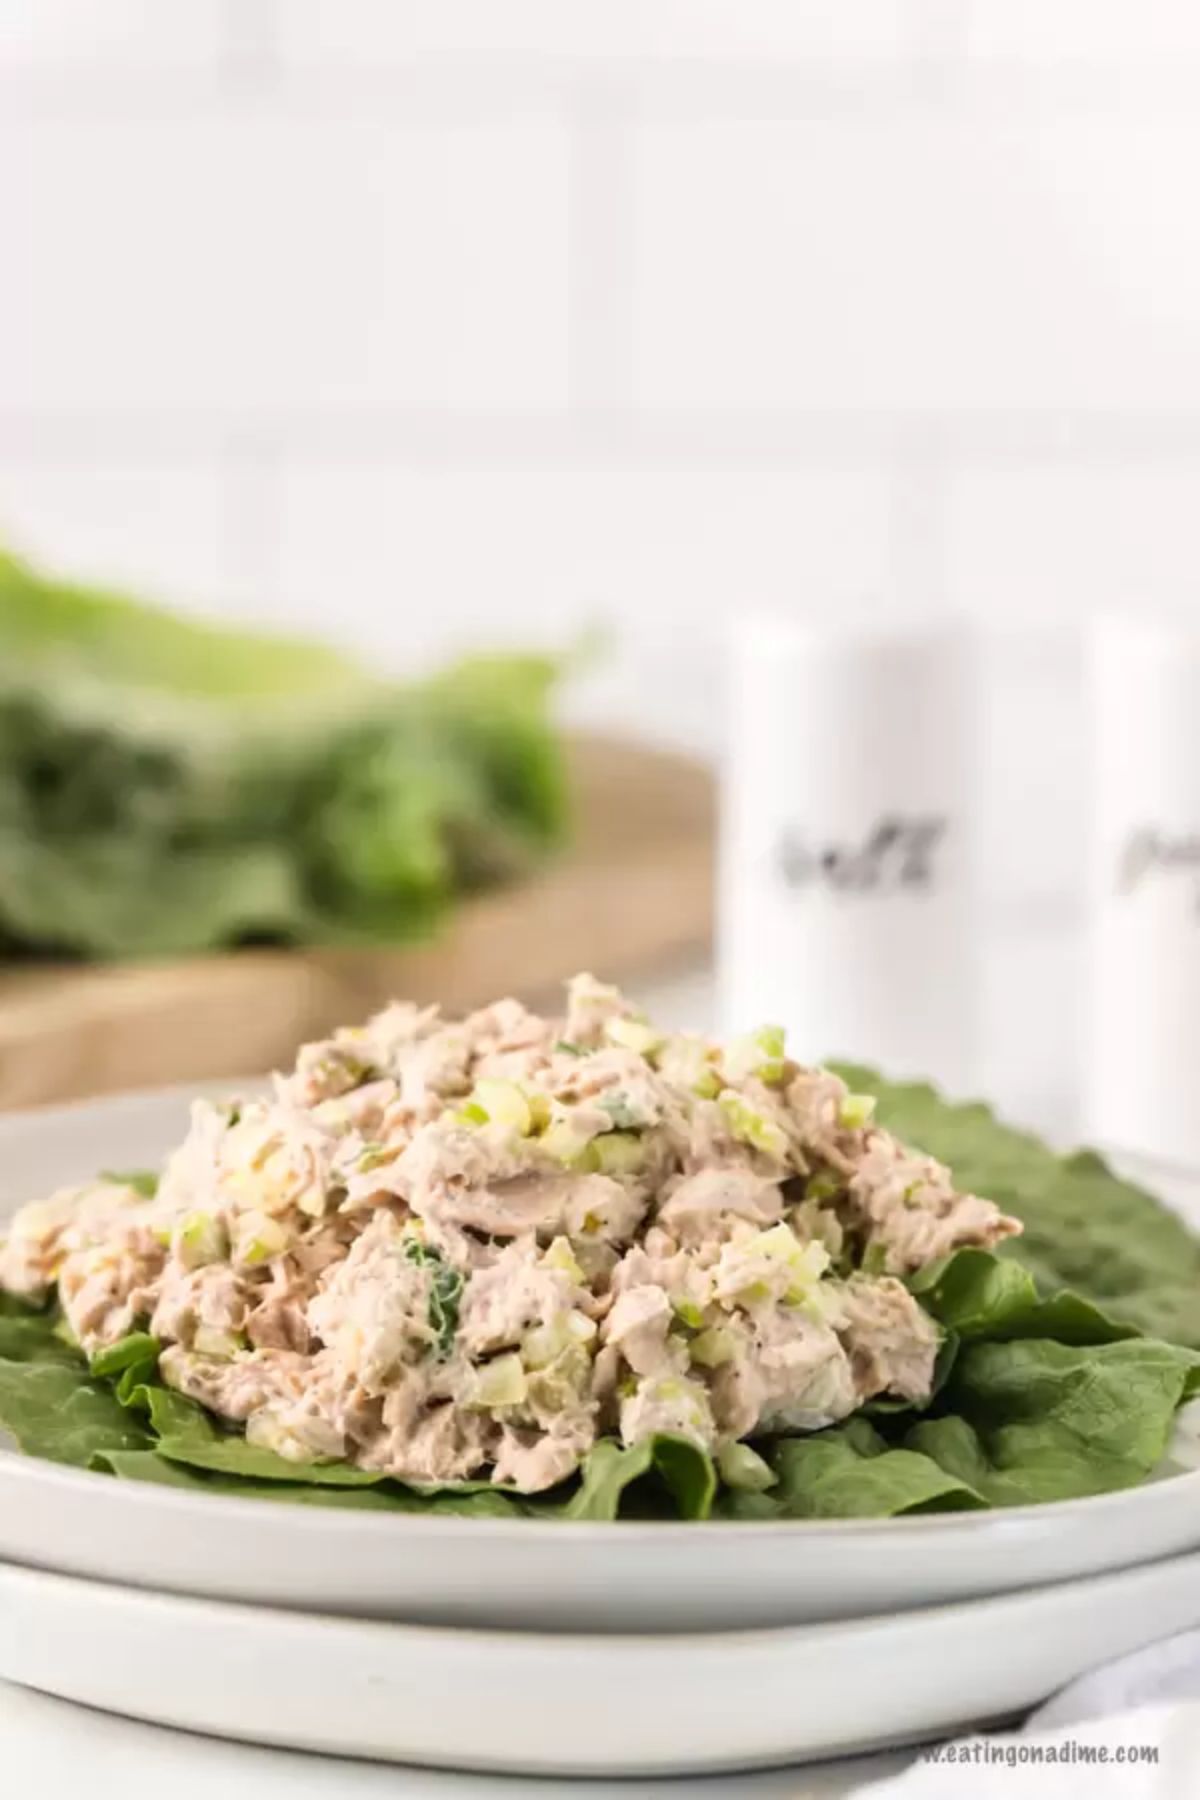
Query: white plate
[
  {"x": 522, "y": 1574},
  {"x": 574, "y": 1705}
]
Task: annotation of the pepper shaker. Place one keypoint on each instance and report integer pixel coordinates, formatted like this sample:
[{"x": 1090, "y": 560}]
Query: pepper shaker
[{"x": 1142, "y": 1060}]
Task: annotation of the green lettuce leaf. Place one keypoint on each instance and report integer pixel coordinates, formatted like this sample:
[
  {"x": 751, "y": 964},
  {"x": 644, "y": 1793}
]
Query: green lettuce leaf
[
  {"x": 388, "y": 1496},
  {"x": 851, "y": 1472},
  {"x": 52, "y": 1409},
  {"x": 1033, "y": 1420},
  {"x": 167, "y": 787},
  {"x": 620, "y": 1482},
  {"x": 975, "y": 1294},
  {"x": 32, "y": 1337},
  {"x": 137, "y": 1350}
]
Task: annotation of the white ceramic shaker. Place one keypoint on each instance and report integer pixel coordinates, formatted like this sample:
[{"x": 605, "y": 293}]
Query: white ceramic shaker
[
  {"x": 846, "y": 908},
  {"x": 1142, "y": 1044}
]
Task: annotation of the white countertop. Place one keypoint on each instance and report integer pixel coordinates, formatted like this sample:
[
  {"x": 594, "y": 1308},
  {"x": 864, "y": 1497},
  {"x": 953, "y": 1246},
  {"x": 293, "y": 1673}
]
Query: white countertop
[{"x": 54, "y": 1748}]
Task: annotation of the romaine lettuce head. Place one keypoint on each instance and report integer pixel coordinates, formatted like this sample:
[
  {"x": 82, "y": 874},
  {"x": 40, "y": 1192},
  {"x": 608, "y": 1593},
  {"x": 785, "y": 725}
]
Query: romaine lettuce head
[{"x": 168, "y": 787}]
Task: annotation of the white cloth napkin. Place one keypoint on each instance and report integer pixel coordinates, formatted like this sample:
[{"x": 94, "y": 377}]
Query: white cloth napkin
[{"x": 1149, "y": 1701}]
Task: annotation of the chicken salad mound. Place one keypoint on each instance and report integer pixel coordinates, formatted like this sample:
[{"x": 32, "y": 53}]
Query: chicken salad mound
[{"x": 452, "y": 1250}]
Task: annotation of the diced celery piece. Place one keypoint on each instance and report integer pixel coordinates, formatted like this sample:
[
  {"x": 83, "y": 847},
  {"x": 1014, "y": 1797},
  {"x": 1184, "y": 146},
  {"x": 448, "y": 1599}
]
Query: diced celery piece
[
  {"x": 741, "y": 1467},
  {"x": 687, "y": 1061},
  {"x": 856, "y": 1112},
  {"x": 561, "y": 1256},
  {"x": 502, "y": 1382},
  {"x": 221, "y": 1344},
  {"x": 259, "y": 1238},
  {"x": 751, "y": 1127},
  {"x": 469, "y": 1113},
  {"x": 806, "y": 1263},
  {"x": 201, "y": 1238},
  {"x": 633, "y": 1034},
  {"x": 564, "y": 1140},
  {"x": 687, "y": 1310},
  {"x": 376, "y": 1156},
  {"x": 540, "y": 1109},
  {"x": 505, "y": 1103},
  {"x": 713, "y": 1347},
  {"x": 546, "y": 1343},
  {"x": 762, "y": 1053},
  {"x": 822, "y": 1186},
  {"x": 617, "y": 1153}
]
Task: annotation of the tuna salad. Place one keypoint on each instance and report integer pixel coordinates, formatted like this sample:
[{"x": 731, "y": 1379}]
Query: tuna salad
[{"x": 457, "y": 1250}]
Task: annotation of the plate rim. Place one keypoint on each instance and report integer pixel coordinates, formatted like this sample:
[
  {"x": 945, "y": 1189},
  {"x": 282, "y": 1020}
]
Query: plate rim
[
  {"x": 621, "y": 1642},
  {"x": 332, "y": 1520}
]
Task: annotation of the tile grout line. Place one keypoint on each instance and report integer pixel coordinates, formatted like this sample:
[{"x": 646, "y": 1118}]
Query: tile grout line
[
  {"x": 251, "y": 474},
  {"x": 592, "y": 434},
  {"x": 249, "y": 60}
]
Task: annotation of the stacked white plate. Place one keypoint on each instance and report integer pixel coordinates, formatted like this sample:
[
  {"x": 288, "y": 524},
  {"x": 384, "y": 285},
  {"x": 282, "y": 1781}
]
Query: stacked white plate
[{"x": 553, "y": 1648}]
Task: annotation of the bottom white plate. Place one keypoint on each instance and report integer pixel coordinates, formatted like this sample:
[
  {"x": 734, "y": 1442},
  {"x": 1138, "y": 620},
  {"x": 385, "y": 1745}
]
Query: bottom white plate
[{"x": 534, "y": 1704}]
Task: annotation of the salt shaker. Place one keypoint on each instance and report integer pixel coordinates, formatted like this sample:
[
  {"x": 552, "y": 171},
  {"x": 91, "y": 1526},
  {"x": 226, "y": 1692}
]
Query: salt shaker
[
  {"x": 1142, "y": 1056},
  {"x": 846, "y": 886}
]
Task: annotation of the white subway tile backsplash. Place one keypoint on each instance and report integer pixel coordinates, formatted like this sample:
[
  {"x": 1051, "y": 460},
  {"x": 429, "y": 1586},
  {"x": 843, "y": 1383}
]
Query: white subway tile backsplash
[
  {"x": 1058, "y": 544},
  {"x": 238, "y": 264},
  {"x": 99, "y": 38},
  {"x": 134, "y": 525},
  {"x": 1081, "y": 31},
  {"x": 425, "y": 562},
  {"x": 951, "y": 263},
  {"x": 369, "y": 34}
]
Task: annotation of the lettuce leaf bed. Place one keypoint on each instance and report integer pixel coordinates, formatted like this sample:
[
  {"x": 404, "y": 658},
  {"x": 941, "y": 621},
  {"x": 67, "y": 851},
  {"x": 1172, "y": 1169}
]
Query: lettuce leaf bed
[
  {"x": 168, "y": 787},
  {"x": 1042, "y": 1394}
]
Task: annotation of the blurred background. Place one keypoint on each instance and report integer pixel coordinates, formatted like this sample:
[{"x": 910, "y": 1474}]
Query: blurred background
[{"x": 424, "y": 325}]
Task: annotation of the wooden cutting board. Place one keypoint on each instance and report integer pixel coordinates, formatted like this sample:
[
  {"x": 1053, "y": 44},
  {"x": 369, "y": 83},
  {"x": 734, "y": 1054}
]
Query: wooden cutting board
[{"x": 632, "y": 896}]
